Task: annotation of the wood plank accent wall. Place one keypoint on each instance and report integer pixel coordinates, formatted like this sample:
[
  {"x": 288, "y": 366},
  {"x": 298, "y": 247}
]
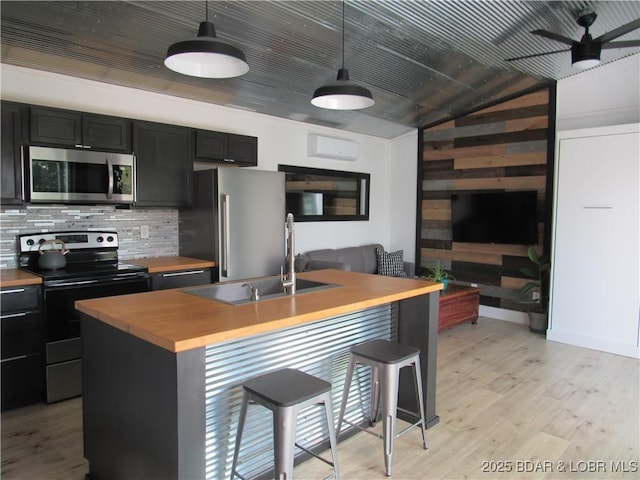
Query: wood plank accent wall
[{"x": 505, "y": 147}]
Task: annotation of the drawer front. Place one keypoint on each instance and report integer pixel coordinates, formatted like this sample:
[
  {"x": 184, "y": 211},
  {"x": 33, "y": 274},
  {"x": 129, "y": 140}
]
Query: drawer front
[
  {"x": 22, "y": 381},
  {"x": 181, "y": 279},
  {"x": 63, "y": 350},
  {"x": 21, "y": 333},
  {"x": 20, "y": 298},
  {"x": 64, "y": 380}
]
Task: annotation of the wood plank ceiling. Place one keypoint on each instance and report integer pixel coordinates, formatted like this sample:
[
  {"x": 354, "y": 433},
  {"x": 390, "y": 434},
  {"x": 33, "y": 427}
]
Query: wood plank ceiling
[{"x": 424, "y": 61}]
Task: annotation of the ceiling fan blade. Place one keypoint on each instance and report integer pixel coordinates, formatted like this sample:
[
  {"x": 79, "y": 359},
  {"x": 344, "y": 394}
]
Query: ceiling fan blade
[
  {"x": 622, "y": 44},
  {"x": 618, "y": 32},
  {"x": 535, "y": 55},
  {"x": 555, "y": 36}
]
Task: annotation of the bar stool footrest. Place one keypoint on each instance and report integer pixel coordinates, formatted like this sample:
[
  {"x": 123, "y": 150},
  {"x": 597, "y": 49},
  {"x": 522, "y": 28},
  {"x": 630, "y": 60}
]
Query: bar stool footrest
[
  {"x": 306, "y": 450},
  {"x": 363, "y": 429}
]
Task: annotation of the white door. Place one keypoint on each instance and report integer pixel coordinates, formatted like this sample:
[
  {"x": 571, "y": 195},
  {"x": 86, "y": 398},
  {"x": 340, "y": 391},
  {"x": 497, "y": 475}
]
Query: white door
[{"x": 596, "y": 254}]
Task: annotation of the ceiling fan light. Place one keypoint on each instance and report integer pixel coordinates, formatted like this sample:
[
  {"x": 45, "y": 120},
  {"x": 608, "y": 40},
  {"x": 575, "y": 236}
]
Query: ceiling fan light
[
  {"x": 585, "y": 55},
  {"x": 205, "y": 56},
  {"x": 342, "y": 94}
]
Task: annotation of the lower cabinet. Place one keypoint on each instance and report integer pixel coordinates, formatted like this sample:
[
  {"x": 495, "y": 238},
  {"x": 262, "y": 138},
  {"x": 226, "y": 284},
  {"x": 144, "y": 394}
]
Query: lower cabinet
[
  {"x": 22, "y": 337},
  {"x": 181, "y": 278}
]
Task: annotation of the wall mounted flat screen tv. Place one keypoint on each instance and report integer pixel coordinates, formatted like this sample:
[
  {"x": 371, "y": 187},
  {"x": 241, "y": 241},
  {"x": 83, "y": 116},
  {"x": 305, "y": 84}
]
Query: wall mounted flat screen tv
[{"x": 495, "y": 217}]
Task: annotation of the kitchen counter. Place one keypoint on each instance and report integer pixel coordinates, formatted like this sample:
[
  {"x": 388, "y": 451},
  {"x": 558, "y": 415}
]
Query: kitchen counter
[
  {"x": 159, "y": 317},
  {"x": 163, "y": 370},
  {"x": 15, "y": 277},
  {"x": 171, "y": 264}
]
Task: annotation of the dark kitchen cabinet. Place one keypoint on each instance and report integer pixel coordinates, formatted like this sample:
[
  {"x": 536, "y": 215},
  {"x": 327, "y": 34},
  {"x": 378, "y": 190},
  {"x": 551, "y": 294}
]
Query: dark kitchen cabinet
[
  {"x": 11, "y": 166},
  {"x": 164, "y": 164},
  {"x": 229, "y": 148},
  {"x": 181, "y": 278},
  {"x": 21, "y": 333},
  {"x": 67, "y": 128}
]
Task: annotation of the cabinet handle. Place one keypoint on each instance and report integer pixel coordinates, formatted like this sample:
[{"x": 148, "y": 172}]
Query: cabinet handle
[
  {"x": 13, "y": 315},
  {"x": 19, "y": 357},
  {"x": 177, "y": 274},
  {"x": 16, "y": 290},
  {"x": 22, "y": 157}
]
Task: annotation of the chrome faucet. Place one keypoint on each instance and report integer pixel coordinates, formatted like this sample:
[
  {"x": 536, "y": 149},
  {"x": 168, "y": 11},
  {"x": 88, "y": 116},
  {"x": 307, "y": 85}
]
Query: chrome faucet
[
  {"x": 255, "y": 293},
  {"x": 289, "y": 282}
]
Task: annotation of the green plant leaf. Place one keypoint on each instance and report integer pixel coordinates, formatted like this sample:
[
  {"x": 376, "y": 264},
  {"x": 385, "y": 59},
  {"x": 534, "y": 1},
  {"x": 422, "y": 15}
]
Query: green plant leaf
[{"x": 528, "y": 272}]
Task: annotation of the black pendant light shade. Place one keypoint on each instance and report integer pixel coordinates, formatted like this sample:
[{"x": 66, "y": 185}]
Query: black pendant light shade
[
  {"x": 343, "y": 94},
  {"x": 205, "y": 56}
]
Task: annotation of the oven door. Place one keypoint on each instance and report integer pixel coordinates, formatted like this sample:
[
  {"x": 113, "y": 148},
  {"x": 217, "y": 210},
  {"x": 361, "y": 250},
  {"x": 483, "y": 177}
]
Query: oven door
[
  {"x": 61, "y": 175},
  {"x": 63, "y": 350}
]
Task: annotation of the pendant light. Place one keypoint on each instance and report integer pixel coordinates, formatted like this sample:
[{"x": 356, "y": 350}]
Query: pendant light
[
  {"x": 343, "y": 94},
  {"x": 205, "y": 56}
]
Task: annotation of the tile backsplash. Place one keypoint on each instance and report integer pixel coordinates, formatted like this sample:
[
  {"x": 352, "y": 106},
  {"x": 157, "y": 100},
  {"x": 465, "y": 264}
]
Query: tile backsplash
[{"x": 163, "y": 227}]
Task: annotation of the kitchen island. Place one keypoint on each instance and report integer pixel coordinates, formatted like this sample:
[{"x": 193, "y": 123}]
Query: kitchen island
[{"x": 163, "y": 370}]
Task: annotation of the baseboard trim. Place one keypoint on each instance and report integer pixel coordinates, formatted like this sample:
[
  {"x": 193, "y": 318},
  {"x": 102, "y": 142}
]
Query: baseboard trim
[
  {"x": 512, "y": 316},
  {"x": 600, "y": 344}
]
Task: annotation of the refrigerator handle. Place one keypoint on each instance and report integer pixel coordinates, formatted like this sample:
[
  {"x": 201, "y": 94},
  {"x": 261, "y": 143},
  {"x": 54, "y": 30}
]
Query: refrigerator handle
[{"x": 225, "y": 235}]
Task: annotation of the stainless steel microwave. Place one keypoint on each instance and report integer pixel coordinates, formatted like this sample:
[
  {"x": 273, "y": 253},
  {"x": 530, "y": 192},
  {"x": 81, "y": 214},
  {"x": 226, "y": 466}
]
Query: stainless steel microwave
[{"x": 58, "y": 175}]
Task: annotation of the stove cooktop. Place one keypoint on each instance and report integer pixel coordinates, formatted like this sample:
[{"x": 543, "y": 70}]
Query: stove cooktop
[{"x": 91, "y": 255}]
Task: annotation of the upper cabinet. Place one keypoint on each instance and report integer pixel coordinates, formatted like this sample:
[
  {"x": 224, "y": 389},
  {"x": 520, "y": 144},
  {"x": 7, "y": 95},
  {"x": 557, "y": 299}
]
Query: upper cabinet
[
  {"x": 218, "y": 147},
  {"x": 164, "y": 164},
  {"x": 51, "y": 126},
  {"x": 11, "y": 167}
]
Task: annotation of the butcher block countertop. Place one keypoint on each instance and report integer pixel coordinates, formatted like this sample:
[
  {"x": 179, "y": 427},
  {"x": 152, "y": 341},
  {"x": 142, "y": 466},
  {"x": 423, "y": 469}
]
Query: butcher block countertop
[
  {"x": 171, "y": 264},
  {"x": 14, "y": 277},
  {"x": 178, "y": 321}
]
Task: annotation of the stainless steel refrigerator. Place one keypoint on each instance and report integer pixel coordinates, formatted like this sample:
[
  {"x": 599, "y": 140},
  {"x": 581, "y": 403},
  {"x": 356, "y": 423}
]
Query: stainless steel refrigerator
[{"x": 237, "y": 220}]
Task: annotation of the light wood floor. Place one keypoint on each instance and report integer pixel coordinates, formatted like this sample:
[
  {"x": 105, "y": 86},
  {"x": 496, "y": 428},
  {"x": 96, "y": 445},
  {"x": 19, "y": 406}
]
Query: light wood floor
[{"x": 505, "y": 397}]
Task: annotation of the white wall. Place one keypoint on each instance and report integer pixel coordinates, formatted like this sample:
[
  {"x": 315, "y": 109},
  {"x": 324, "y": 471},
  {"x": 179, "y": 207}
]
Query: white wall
[
  {"x": 402, "y": 194},
  {"x": 281, "y": 141},
  {"x": 603, "y": 96}
]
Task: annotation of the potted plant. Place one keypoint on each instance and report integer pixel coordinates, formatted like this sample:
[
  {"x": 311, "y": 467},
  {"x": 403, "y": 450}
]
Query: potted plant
[
  {"x": 438, "y": 274},
  {"x": 538, "y": 306}
]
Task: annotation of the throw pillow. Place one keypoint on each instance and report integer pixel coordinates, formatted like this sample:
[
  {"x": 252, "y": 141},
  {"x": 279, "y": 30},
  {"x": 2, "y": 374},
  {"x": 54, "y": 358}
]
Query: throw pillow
[{"x": 390, "y": 264}]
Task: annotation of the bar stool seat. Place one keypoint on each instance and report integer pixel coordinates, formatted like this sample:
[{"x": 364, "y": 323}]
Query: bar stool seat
[
  {"x": 385, "y": 359},
  {"x": 285, "y": 392}
]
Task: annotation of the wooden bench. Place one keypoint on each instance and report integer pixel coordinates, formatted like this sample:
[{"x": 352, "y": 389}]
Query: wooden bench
[{"x": 458, "y": 304}]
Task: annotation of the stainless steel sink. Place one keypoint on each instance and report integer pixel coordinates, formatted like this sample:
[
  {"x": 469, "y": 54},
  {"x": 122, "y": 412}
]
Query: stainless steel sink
[{"x": 238, "y": 293}]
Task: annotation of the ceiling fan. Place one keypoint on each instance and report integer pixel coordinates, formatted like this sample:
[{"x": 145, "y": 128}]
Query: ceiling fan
[{"x": 586, "y": 52}]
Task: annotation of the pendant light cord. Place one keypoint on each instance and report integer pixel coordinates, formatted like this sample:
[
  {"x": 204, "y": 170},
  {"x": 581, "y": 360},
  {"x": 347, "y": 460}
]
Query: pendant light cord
[{"x": 206, "y": 10}]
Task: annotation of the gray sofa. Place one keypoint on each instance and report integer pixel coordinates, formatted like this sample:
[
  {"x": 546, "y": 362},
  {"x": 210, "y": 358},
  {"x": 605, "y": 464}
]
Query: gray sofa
[{"x": 355, "y": 259}]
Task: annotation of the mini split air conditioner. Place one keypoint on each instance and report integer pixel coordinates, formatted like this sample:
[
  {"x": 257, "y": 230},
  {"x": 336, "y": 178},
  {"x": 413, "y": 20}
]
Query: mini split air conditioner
[{"x": 330, "y": 147}]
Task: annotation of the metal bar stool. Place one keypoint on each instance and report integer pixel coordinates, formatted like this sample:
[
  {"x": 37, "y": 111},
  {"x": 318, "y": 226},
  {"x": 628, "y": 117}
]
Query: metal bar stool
[
  {"x": 385, "y": 359},
  {"x": 286, "y": 392}
]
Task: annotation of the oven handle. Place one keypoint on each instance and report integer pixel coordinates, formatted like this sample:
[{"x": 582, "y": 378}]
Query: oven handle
[
  {"x": 125, "y": 276},
  {"x": 72, "y": 284},
  {"x": 110, "y": 173}
]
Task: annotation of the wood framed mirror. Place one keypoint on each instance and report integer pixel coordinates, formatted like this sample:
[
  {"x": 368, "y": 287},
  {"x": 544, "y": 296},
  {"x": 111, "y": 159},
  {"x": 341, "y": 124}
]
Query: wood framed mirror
[{"x": 317, "y": 195}]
